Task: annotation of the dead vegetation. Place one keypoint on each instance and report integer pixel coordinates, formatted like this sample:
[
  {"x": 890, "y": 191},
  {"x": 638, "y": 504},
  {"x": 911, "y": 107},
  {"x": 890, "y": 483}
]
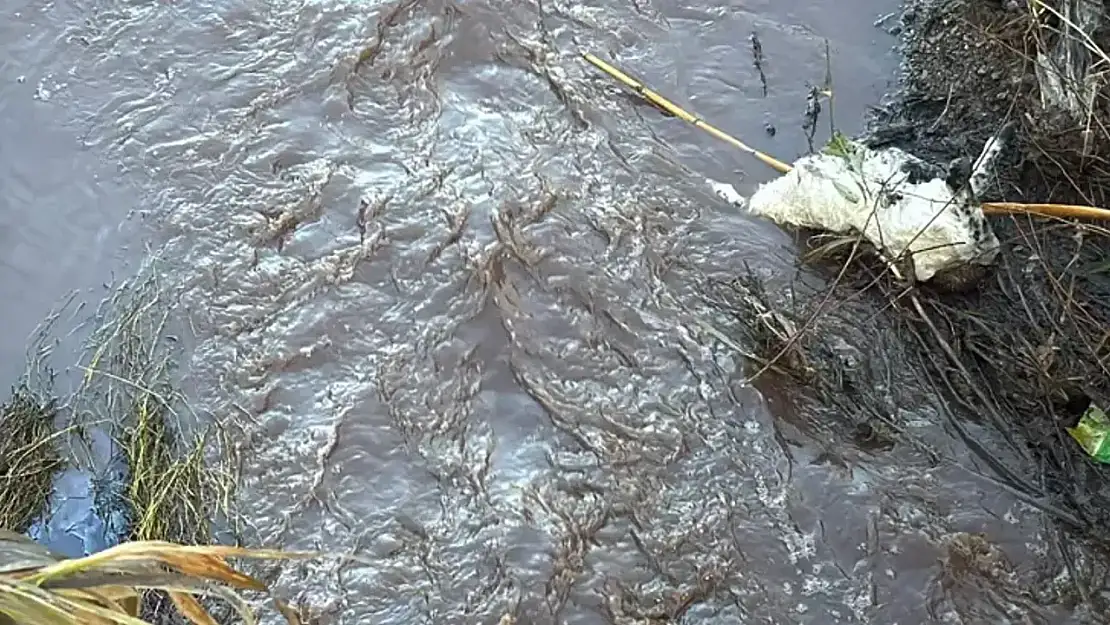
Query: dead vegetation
[
  {"x": 38, "y": 588},
  {"x": 1026, "y": 352},
  {"x": 164, "y": 481},
  {"x": 1034, "y": 336}
]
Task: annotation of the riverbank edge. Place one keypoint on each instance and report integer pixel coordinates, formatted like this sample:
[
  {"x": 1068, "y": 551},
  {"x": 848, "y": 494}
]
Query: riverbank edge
[{"x": 1030, "y": 341}]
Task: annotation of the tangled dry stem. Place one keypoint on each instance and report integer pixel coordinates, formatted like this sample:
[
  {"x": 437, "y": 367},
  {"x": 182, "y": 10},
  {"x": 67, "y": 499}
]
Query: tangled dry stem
[
  {"x": 1034, "y": 337},
  {"x": 1025, "y": 353}
]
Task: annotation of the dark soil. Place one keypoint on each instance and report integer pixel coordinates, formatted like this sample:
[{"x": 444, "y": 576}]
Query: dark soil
[
  {"x": 1026, "y": 352},
  {"x": 968, "y": 69},
  {"x": 1033, "y": 337}
]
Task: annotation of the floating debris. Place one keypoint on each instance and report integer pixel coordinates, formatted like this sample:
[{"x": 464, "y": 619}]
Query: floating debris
[
  {"x": 904, "y": 206},
  {"x": 757, "y": 61},
  {"x": 1093, "y": 434}
]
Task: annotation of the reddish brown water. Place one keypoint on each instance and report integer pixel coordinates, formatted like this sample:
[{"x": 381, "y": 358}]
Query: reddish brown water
[{"x": 447, "y": 277}]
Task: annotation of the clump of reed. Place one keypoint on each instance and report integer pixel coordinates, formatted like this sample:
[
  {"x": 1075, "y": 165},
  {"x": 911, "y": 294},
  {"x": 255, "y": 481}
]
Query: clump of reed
[
  {"x": 169, "y": 483},
  {"x": 174, "y": 489}
]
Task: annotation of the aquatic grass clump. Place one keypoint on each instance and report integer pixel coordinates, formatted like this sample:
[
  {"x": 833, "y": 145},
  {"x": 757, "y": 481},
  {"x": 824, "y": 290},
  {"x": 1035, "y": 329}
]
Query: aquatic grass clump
[
  {"x": 130, "y": 383},
  {"x": 38, "y": 588},
  {"x": 171, "y": 495},
  {"x": 160, "y": 485},
  {"x": 170, "y": 492},
  {"x": 29, "y": 458},
  {"x": 173, "y": 488}
]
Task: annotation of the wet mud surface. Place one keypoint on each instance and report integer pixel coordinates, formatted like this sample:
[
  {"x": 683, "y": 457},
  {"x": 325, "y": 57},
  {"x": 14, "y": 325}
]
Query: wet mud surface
[
  {"x": 452, "y": 289},
  {"x": 1034, "y": 318}
]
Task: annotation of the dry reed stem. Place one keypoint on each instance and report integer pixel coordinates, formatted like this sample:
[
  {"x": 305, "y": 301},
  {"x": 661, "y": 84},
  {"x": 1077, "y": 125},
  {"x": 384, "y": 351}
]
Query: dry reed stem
[
  {"x": 39, "y": 588},
  {"x": 1060, "y": 211}
]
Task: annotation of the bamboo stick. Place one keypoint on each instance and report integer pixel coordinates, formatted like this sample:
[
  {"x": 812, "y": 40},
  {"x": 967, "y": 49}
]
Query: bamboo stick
[
  {"x": 668, "y": 106},
  {"x": 1060, "y": 211}
]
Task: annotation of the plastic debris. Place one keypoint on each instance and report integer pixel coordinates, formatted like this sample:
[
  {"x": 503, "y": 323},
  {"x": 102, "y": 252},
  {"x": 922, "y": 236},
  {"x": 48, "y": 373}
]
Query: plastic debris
[
  {"x": 1093, "y": 434},
  {"x": 901, "y": 204}
]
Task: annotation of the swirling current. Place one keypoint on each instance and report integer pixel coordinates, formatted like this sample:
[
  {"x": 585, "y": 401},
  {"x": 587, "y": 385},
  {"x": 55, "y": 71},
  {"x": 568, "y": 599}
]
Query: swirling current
[{"x": 448, "y": 277}]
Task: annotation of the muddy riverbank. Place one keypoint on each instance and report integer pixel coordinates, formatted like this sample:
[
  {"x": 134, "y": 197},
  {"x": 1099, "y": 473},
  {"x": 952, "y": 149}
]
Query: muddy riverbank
[
  {"x": 1008, "y": 365},
  {"x": 1033, "y": 334}
]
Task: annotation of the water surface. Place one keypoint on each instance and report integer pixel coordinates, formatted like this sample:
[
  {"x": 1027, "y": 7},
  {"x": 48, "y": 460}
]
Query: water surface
[{"x": 447, "y": 278}]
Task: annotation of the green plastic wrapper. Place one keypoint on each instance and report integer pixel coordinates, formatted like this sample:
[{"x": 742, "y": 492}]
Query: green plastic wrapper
[{"x": 1093, "y": 434}]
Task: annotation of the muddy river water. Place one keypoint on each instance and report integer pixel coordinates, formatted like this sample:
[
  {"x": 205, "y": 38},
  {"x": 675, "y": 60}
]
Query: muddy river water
[{"x": 446, "y": 276}]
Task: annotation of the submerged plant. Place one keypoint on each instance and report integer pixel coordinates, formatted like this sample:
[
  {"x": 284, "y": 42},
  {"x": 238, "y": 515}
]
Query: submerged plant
[{"x": 168, "y": 490}]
